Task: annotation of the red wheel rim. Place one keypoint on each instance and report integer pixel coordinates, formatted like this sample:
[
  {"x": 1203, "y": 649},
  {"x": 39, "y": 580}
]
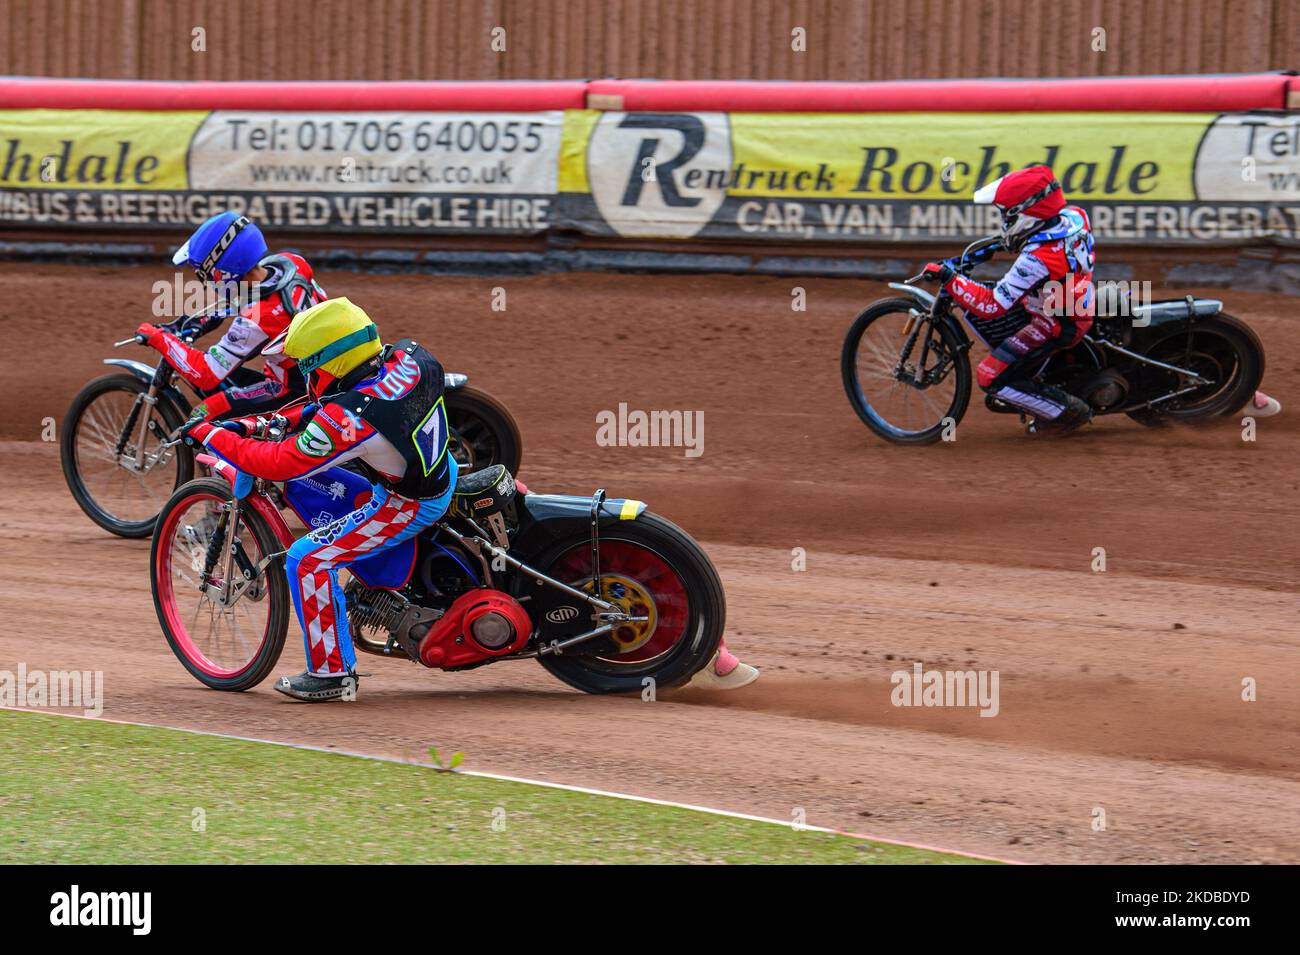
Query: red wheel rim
[
  {"x": 627, "y": 559},
  {"x": 168, "y": 570}
]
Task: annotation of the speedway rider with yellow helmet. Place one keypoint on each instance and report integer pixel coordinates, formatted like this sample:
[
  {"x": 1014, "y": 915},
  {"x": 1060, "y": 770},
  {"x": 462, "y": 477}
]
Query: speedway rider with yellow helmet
[{"x": 382, "y": 407}]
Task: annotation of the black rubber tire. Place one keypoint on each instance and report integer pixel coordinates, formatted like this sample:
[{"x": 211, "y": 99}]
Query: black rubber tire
[
  {"x": 277, "y": 592},
  {"x": 849, "y": 375},
  {"x": 172, "y": 419},
  {"x": 1246, "y": 378},
  {"x": 707, "y": 618},
  {"x": 479, "y": 414}
]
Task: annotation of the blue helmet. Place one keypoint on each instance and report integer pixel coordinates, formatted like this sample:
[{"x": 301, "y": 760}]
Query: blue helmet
[{"x": 227, "y": 242}]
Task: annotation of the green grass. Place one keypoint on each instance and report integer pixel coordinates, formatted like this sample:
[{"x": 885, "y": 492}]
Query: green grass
[{"x": 80, "y": 791}]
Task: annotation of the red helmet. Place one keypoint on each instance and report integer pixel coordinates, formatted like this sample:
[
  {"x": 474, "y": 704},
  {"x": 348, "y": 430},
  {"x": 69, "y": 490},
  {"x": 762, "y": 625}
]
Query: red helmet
[{"x": 1027, "y": 198}]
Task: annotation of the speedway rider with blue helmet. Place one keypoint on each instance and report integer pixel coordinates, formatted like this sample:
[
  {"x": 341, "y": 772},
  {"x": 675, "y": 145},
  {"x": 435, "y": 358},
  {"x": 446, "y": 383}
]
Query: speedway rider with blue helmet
[{"x": 226, "y": 250}]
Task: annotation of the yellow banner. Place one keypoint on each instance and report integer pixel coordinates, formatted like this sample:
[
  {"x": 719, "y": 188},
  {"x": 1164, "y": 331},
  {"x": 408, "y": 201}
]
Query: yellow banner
[
  {"x": 1110, "y": 156},
  {"x": 948, "y": 155},
  {"x": 95, "y": 149}
]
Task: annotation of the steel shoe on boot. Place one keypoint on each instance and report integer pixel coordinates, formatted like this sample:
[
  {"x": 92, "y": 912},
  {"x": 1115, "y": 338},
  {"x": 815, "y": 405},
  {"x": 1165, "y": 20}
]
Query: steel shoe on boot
[
  {"x": 1076, "y": 414},
  {"x": 1262, "y": 406},
  {"x": 311, "y": 688},
  {"x": 724, "y": 672}
]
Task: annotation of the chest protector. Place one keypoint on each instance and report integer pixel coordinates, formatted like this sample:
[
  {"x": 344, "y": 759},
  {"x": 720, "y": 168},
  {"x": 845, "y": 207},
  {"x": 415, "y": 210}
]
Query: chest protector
[
  {"x": 404, "y": 403},
  {"x": 1072, "y": 230}
]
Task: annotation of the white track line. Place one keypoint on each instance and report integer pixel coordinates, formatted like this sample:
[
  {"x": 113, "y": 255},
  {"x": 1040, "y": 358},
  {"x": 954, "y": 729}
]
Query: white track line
[{"x": 630, "y": 797}]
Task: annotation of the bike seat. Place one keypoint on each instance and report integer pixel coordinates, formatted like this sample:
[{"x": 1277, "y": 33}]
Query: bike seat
[{"x": 477, "y": 482}]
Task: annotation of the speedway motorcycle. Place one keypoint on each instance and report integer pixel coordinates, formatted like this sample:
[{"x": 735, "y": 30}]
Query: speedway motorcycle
[
  {"x": 599, "y": 591},
  {"x": 120, "y": 464},
  {"x": 906, "y": 368}
]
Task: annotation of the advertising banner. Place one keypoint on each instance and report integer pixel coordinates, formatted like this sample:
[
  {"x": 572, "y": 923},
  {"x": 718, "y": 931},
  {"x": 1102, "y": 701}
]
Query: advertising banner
[
  {"x": 754, "y": 176},
  {"x": 439, "y": 172},
  {"x": 795, "y": 177}
]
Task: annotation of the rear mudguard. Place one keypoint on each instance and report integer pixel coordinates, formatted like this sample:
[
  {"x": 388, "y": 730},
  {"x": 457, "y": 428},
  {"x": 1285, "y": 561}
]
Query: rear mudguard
[
  {"x": 549, "y": 518},
  {"x": 145, "y": 374},
  {"x": 260, "y": 503},
  {"x": 1155, "y": 321}
]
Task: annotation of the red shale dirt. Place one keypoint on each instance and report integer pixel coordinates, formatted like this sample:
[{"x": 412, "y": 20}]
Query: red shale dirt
[{"x": 1120, "y": 691}]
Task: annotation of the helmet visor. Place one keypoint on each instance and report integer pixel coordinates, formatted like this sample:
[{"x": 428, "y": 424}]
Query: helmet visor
[{"x": 276, "y": 345}]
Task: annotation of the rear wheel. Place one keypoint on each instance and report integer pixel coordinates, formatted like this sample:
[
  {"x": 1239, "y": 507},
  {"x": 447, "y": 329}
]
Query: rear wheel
[
  {"x": 1222, "y": 349},
  {"x": 227, "y": 633},
  {"x": 482, "y": 431},
  {"x": 121, "y": 490},
  {"x": 905, "y": 393},
  {"x": 651, "y": 568}
]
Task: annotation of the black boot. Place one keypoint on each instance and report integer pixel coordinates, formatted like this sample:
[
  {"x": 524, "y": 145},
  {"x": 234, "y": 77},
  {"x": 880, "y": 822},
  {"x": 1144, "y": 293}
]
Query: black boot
[
  {"x": 310, "y": 688},
  {"x": 1076, "y": 414}
]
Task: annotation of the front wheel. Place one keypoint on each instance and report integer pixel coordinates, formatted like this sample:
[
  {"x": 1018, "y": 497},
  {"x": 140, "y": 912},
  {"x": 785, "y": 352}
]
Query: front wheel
[
  {"x": 482, "y": 431},
  {"x": 907, "y": 377},
  {"x": 227, "y": 627},
  {"x": 651, "y": 568},
  {"x": 113, "y": 460}
]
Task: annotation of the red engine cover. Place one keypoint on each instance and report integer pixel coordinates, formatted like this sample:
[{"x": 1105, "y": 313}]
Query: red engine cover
[{"x": 450, "y": 643}]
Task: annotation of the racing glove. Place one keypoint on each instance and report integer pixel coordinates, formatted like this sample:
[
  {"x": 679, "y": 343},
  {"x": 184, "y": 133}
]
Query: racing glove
[
  {"x": 151, "y": 335},
  {"x": 195, "y": 432},
  {"x": 938, "y": 272}
]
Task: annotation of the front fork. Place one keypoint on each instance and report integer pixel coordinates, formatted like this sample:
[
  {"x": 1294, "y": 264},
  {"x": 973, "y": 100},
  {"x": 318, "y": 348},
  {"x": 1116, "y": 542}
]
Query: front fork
[
  {"x": 149, "y": 400},
  {"x": 146, "y": 401},
  {"x": 237, "y": 571},
  {"x": 916, "y": 322}
]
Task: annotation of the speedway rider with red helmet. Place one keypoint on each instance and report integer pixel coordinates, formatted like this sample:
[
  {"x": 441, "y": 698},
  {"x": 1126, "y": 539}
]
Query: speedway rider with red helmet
[
  {"x": 226, "y": 250},
  {"x": 1051, "y": 278},
  {"x": 380, "y": 407}
]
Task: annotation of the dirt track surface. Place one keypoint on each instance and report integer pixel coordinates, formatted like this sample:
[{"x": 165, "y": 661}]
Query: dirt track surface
[{"x": 1120, "y": 691}]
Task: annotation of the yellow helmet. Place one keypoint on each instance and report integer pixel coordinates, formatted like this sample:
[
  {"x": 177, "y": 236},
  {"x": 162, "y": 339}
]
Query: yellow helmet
[{"x": 333, "y": 336}]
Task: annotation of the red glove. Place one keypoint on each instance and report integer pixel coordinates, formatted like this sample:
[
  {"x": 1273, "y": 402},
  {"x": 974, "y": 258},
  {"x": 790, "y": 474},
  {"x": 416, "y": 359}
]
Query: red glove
[
  {"x": 937, "y": 272},
  {"x": 154, "y": 336},
  {"x": 241, "y": 426},
  {"x": 195, "y": 434}
]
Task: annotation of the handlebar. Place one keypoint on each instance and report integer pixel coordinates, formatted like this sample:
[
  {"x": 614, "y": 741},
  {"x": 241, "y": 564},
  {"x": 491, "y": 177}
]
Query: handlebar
[
  {"x": 965, "y": 262},
  {"x": 187, "y": 328}
]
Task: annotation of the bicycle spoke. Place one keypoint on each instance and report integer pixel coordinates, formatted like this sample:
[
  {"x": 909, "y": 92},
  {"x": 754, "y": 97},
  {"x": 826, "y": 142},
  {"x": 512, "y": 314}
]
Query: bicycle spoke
[{"x": 903, "y": 397}]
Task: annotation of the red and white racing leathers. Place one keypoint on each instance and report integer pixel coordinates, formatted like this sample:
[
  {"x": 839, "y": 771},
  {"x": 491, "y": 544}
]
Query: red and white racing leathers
[
  {"x": 254, "y": 326},
  {"x": 1052, "y": 279}
]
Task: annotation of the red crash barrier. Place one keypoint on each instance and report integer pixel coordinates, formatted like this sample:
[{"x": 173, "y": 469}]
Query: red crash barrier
[
  {"x": 38, "y": 93},
  {"x": 1167, "y": 94},
  {"x": 1232, "y": 92}
]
